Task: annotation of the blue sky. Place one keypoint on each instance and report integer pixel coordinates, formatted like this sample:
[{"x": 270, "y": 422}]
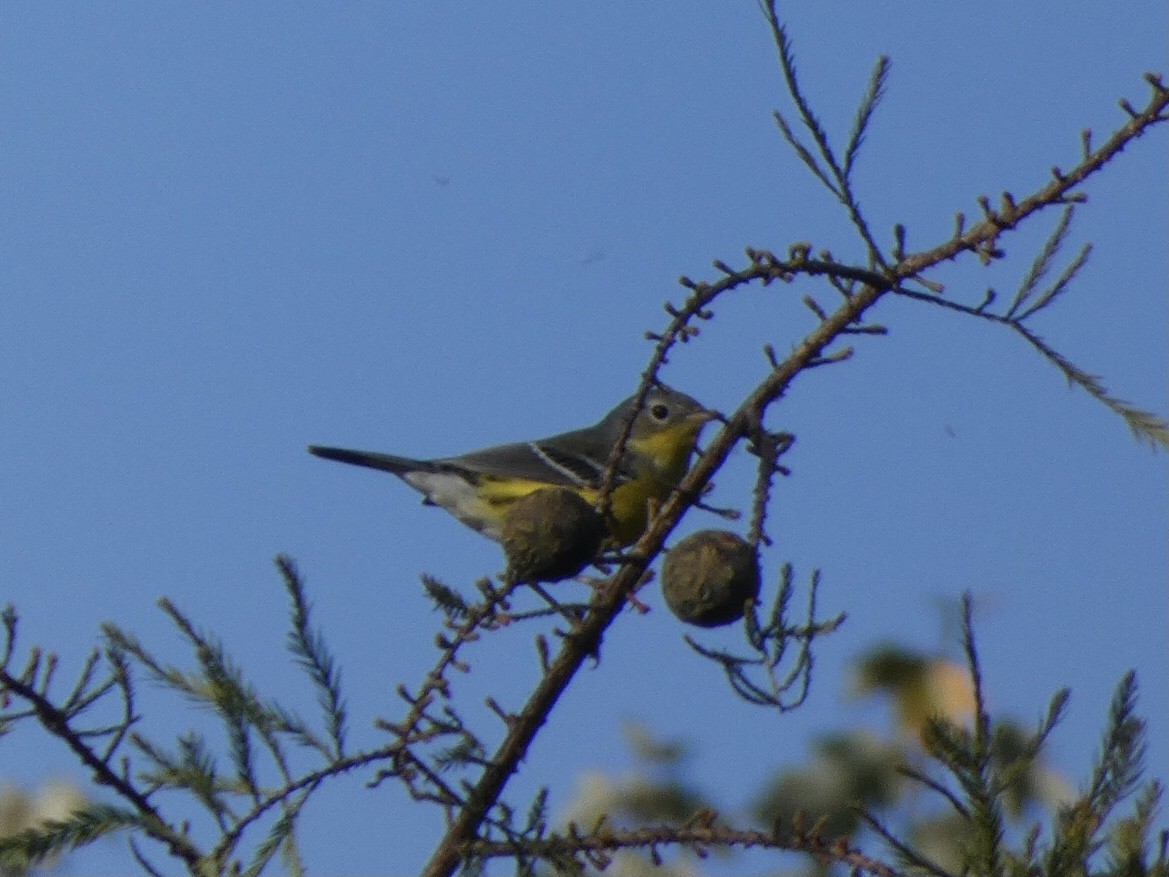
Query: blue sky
[{"x": 230, "y": 231}]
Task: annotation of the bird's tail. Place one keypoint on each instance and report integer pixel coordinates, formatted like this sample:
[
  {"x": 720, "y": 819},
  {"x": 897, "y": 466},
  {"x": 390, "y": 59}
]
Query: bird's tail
[{"x": 386, "y": 462}]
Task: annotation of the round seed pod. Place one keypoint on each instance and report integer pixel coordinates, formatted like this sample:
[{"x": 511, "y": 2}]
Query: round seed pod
[
  {"x": 709, "y": 576},
  {"x": 551, "y": 534}
]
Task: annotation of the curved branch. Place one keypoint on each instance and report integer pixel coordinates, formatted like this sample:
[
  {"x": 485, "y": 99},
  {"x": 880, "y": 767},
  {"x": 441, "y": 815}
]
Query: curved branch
[
  {"x": 585, "y": 639},
  {"x": 695, "y": 836}
]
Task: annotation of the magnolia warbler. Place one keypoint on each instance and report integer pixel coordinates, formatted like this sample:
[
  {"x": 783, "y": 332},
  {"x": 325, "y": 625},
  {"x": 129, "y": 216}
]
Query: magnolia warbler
[{"x": 479, "y": 487}]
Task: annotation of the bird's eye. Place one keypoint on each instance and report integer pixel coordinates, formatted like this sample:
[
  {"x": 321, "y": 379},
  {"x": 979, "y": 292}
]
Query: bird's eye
[{"x": 659, "y": 412}]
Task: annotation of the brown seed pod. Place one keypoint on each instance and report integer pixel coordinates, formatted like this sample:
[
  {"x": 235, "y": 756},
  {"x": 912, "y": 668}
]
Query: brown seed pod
[
  {"x": 709, "y": 576},
  {"x": 551, "y": 534}
]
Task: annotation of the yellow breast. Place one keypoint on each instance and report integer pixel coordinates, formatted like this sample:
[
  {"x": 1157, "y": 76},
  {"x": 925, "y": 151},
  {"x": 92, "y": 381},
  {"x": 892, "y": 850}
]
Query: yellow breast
[{"x": 658, "y": 461}]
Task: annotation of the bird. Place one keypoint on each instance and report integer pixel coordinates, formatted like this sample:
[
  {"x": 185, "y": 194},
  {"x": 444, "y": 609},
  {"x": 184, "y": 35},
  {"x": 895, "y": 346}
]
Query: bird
[{"x": 479, "y": 487}]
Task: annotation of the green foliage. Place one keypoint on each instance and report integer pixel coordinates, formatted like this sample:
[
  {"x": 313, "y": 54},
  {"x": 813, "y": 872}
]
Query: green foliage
[
  {"x": 258, "y": 785},
  {"x": 847, "y": 770},
  {"x": 960, "y": 798},
  {"x": 1083, "y": 827},
  {"x": 447, "y": 599},
  {"x": 20, "y": 852},
  {"x": 309, "y": 647}
]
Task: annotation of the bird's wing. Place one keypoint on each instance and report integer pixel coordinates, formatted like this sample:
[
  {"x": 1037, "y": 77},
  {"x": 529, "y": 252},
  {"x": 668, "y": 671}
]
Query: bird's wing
[{"x": 545, "y": 461}]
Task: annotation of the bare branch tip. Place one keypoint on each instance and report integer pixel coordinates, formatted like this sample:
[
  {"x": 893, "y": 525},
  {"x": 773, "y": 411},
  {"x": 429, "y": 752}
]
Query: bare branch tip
[
  {"x": 959, "y": 224},
  {"x": 899, "y": 241},
  {"x": 815, "y": 308}
]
